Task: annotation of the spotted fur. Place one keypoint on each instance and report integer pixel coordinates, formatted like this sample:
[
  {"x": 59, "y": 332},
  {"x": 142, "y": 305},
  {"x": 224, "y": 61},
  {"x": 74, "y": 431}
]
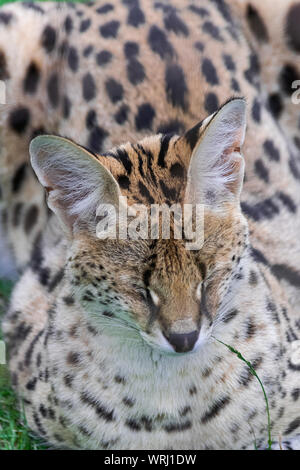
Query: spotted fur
[{"x": 94, "y": 326}]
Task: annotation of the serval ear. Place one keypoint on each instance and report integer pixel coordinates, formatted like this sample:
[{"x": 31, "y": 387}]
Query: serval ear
[
  {"x": 76, "y": 182},
  {"x": 216, "y": 169}
]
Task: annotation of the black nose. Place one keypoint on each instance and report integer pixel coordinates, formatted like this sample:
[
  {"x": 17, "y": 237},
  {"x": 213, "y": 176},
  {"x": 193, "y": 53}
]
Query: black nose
[{"x": 183, "y": 342}]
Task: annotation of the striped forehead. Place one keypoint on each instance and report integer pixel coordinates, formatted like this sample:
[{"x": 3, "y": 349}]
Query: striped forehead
[{"x": 150, "y": 171}]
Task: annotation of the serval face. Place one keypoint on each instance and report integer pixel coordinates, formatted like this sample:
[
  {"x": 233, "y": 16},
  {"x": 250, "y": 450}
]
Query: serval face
[{"x": 144, "y": 288}]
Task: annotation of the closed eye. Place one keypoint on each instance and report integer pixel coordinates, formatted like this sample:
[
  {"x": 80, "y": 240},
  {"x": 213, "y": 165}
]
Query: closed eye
[
  {"x": 154, "y": 297},
  {"x": 199, "y": 290}
]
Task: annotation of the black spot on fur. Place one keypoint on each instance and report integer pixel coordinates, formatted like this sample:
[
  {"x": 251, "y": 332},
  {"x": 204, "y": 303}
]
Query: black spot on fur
[
  {"x": 288, "y": 202},
  {"x": 33, "y": 6},
  {"x": 174, "y": 23},
  {"x": 68, "y": 24},
  {"x": 69, "y": 300},
  {"x": 145, "y": 193},
  {"x": 178, "y": 427},
  {"x": 169, "y": 193},
  {"x": 4, "y": 75},
  {"x": 100, "y": 409},
  {"x": 223, "y": 9},
  {"x": 252, "y": 73},
  {"x": 48, "y": 38},
  {"x": 211, "y": 29},
  {"x": 114, "y": 90},
  {"x": 174, "y": 126},
  {"x": 275, "y": 105},
  {"x": 38, "y": 424},
  {"x": 247, "y": 376},
  {"x": 177, "y": 170},
  {"x": 73, "y": 358},
  {"x": 128, "y": 402},
  {"x": 193, "y": 134},
  {"x": 105, "y": 9},
  {"x": 30, "y": 350},
  {"x": 164, "y": 146},
  {"x": 103, "y": 57},
  {"x": 84, "y": 25},
  {"x": 96, "y": 138},
  {"x": 31, "y": 384},
  {"x": 256, "y": 24},
  {"x": 215, "y": 409},
  {"x": 265, "y": 209},
  {"x": 229, "y": 63},
  {"x": 19, "y": 177},
  {"x": 122, "y": 156},
  {"x": 18, "y": 336},
  {"x": 295, "y": 394},
  {"x": 124, "y": 182},
  {"x": 136, "y": 16},
  {"x": 133, "y": 425},
  {"x": 250, "y": 328},
  {"x": 261, "y": 170},
  {"x": 258, "y": 256},
  {"x": 53, "y": 90},
  {"x": 235, "y": 85},
  {"x": 122, "y": 114},
  {"x": 19, "y": 119},
  {"x": 199, "y": 46},
  {"x": 159, "y": 44},
  {"x": 199, "y": 11},
  {"x": 110, "y": 29},
  {"x": 131, "y": 49},
  {"x": 135, "y": 72},
  {"x": 88, "y": 87},
  {"x": 176, "y": 88},
  {"x": 31, "y": 79},
  {"x": 91, "y": 119},
  {"x": 31, "y": 217},
  {"x": 57, "y": 278},
  {"x": 38, "y": 131},
  {"x": 294, "y": 167},
  {"x": 17, "y": 212},
  {"x": 292, "y": 27},
  {"x": 5, "y": 18},
  {"x": 287, "y": 76},
  {"x": 284, "y": 272},
  {"x": 88, "y": 50},
  {"x": 256, "y": 110},
  {"x": 271, "y": 308},
  {"x": 292, "y": 426},
  {"x": 253, "y": 278},
  {"x": 230, "y": 315},
  {"x": 144, "y": 117}
]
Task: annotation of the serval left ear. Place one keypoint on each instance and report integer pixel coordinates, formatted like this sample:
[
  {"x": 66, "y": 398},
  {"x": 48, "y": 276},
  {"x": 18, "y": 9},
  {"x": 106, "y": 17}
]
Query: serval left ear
[
  {"x": 216, "y": 169},
  {"x": 76, "y": 182}
]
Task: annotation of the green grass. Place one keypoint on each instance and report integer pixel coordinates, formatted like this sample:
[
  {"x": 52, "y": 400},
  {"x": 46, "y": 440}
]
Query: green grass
[{"x": 14, "y": 434}]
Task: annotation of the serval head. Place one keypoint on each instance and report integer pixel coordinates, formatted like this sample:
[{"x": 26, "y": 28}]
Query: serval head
[{"x": 163, "y": 291}]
